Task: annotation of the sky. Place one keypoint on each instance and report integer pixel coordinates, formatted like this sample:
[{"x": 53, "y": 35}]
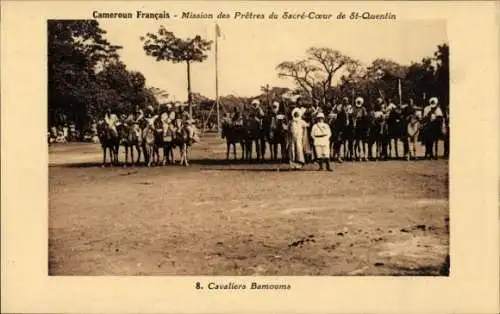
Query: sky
[{"x": 250, "y": 50}]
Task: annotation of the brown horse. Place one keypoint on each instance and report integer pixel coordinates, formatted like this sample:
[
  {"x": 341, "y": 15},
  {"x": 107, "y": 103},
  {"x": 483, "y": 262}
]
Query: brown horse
[
  {"x": 168, "y": 138},
  {"x": 412, "y": 134},
  {"x": 253, "y": 135},
  {"x": 109, "y": 140},
  {"x": 234, "y": 134},
  {"x": 130, "y": 138},
  {"x": 183, "y": 140},
  {"x": 148, "y": 143},
  {"x": 278, "y": 135}
]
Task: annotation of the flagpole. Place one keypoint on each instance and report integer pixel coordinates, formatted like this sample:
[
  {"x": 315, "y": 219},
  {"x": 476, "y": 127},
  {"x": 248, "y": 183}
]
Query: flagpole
[
  {"x": 217, "y": 32},
  {"x": 400, "y": 93}
]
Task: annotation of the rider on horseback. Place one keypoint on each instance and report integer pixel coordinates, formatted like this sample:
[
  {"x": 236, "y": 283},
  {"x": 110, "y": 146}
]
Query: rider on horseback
[
  {"x": 236, "y": 118},
  {"x": 111, "y": 119},
  {"x": 432, "y": 111},
  {"x": 256, "y": 110}
]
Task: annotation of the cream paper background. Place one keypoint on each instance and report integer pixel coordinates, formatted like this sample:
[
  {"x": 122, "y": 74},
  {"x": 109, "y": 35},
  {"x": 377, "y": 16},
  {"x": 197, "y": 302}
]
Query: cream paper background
[{"x": 472, "y": 287}]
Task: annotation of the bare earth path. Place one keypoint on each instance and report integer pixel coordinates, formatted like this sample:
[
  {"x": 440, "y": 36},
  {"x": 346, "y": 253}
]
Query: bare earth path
[{"x": 214, "y": 218}]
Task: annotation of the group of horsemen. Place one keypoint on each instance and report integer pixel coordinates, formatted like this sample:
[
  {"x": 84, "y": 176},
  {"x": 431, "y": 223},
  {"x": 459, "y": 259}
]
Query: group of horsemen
[
  {"x": 167, "y": 126},
  {"x": 313, "y": 133}
]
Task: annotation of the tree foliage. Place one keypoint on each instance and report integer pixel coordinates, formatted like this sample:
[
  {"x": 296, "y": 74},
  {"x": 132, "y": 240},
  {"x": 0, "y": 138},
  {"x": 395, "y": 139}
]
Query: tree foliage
[
  {"x": 85, "y": 75},
  {"x": 316, "y": 73},
  {"x": 165, "y": 46},
  {"x": 327, "y": 75}
]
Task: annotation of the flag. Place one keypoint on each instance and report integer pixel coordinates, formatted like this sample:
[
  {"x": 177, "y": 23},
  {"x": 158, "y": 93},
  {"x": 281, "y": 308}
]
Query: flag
[{"x": 218, "y": 32}]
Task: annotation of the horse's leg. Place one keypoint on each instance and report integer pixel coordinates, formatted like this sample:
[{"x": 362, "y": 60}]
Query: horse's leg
[
  {"x": 262, "y": 143},
  {"x": 132, "y": 155},
  {"x": 164, "y": 156},
  {"x": 126, "y": 157},
  {"x": 412, "y": 149},
  {"x": 150, "y": 154},
  {"x": 436, "y": 145},
  {"x": 271, "y": 150},
  {"x": 113, "y": 153},
  {"x": 242, "y": 145},
  {"x": 186, "y": 154},
  {"x": 183, "y": 154},
  {"x": 228, "y": 148},
  {"x": 365, "y": 149},
  {"x": 415, "y": 141},
  {"x": 389, "y": 148},
  {"x": 249, "y": 150},
  {"x": 275, "y": 150},
  {"x": 234, "y": 150},
  {"x": 138, "y": 147},
  {"x": 396, "y": 139},
  {"x": 145, "y": 151},
  {"x": 406, "y": 145},
  {"x": 103, "y": 157},
  {"x": 351, "y": 148},
  {"x": 111, "y": 156},
  {"x": 258, "y": 149}
]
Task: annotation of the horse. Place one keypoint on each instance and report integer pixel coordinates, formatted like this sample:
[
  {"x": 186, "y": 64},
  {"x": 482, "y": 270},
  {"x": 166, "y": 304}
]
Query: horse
[
  {"x": 412, "y": 133},
  {"x": 148, "y": 144},
  {"x": 395, "y": 130},
  {"x": 253, "y": 134},
  {"x": 277, "y": 134},
  {"x": 233, "y": 133},
  {"x": 168, "y": 137},
  {"x": 183, "y": 141},
  {"x": 348, "y": 137},
  {"x": 109, "y": 140},
  {"x": 158, "y": 144},
  {"x": 432, "y": 131},
  {"x": 361, "y": 134},
  {"x": 130, "y": 138},
  {"x": 378, "y": 136},
  {"x": 337, "y": 122}
]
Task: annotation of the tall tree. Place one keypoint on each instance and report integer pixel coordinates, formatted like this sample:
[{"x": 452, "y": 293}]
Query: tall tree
[
  {"x": 315, "y": 75},
  {"x": 76, "y": 49},
  {"x": 442, "y": 56},
  {"x": 165, "y": 46}
]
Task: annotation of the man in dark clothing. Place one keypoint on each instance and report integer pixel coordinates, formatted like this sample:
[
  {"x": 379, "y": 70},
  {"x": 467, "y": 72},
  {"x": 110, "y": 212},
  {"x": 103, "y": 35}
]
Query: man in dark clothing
[{"x": 337, "y": 125}]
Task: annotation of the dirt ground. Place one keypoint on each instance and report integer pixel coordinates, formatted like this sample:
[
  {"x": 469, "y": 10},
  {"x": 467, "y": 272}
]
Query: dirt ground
[{"x": 218, "y": 218}]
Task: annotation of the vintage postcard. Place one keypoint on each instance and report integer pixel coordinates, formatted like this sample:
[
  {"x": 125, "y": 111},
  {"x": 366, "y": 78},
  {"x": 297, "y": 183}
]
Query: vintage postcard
[{"x": 207, "y": 156}]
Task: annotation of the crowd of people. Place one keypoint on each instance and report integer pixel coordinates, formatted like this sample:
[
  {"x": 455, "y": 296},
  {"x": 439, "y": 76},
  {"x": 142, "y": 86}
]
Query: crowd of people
[
  {"x": 306, "y": 130},
  {"x": 320, "y": 133}
]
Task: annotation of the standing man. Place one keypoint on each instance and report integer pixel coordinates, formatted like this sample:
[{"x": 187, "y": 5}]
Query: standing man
[
  {"x": 321, "y": 134},
  {"x": 298, "y": 129},
  {"x": 339, "y": 125}
]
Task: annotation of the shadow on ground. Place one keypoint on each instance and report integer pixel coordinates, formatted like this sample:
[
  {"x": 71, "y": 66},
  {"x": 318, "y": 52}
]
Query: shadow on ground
[{"x": 223, "y": 162}]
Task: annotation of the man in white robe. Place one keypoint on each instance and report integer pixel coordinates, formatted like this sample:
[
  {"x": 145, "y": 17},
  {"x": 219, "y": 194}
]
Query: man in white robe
[{"x": 298, "y": 131}]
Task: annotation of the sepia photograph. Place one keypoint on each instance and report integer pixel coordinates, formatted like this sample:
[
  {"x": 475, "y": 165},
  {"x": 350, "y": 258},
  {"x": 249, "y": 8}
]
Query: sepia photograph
[
  {"x": 173, "y": 151},
  {"x": 277, "y": 156},
  {"x": 196, "y": 148}
]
